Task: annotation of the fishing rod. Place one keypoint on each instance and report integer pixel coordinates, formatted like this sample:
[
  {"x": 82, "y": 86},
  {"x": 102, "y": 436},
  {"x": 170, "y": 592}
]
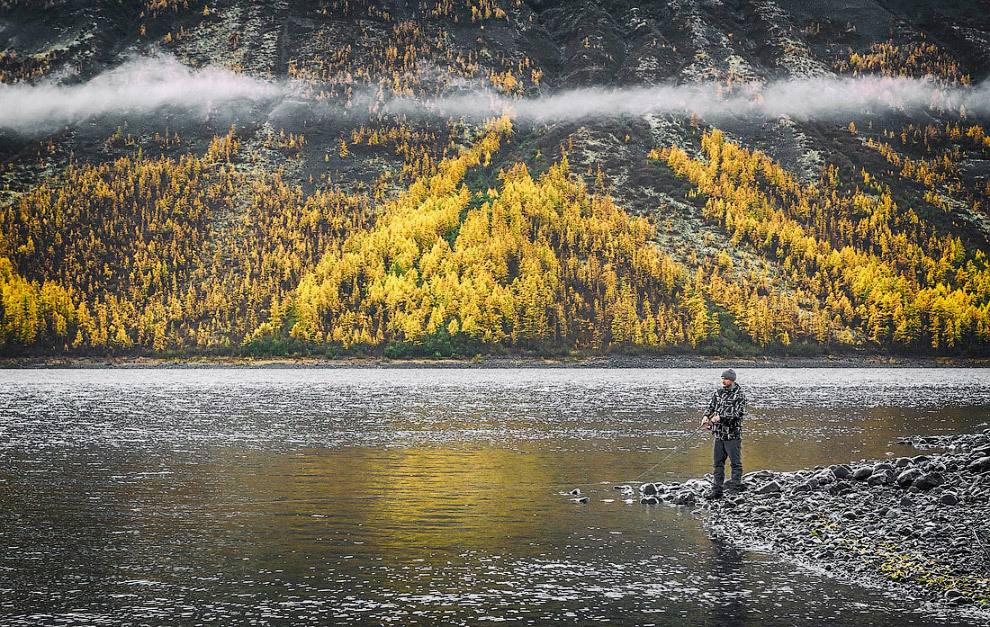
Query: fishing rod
[{"x": 671, "y": 453}]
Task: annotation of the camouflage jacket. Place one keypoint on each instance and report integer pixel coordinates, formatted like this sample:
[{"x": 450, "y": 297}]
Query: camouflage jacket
[{"x": 729, "y": 403}]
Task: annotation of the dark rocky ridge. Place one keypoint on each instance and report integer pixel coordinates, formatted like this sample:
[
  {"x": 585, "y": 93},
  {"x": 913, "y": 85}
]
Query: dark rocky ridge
[{"x": 916, "y": 524}]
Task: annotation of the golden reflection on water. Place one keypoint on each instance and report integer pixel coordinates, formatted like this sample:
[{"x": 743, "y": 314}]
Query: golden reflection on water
[{"x": 419, "y": 499}]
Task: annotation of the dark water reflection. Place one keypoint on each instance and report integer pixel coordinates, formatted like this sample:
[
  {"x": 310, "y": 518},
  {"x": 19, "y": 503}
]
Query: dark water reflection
[{"x": 419, "y": 496}]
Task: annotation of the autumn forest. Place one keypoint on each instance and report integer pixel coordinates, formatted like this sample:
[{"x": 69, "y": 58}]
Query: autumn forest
[{"x": 401, "y": 236}]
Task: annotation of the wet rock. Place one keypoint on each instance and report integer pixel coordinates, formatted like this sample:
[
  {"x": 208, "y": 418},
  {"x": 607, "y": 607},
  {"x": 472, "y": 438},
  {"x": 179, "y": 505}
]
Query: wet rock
[
  {"x": 768, "y": 488},
  {"x": 649, "y": 489},
  {"x": 649, "y": 500},
  {"x": 906, "y": 501},
  {"x": 575, "y": 491},
  {"x": 762, "y": 509},
  {"x": 881, "y": 477},
  {"x": 902, "y": 462},
  {"x": 825, "y": 477},
  {"x": 919, "y": 459},
  {"x": 685, "y": 497},
  {"x": 862, "y": 473},
  {"x": 907, "y": 477},
  {"x": 955, "y": 597},
  {"x": 697, "y": 485},
  {"x": 841, "y": 487},
  {"x": 841, "y": 471},
  {"x": 979, "y": 465},
  {"x": 804, "y": 487},
  {"x": 980, "y": 451},
  {"x": 758, "y": 476},
  {"x": 882, "y": 466},
  {"x": 948, "y": 498},
  {"x": 928, "y": 481}
]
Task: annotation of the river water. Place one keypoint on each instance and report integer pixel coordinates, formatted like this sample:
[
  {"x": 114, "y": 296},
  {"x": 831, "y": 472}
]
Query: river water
[{"x": 423, "y": 496}]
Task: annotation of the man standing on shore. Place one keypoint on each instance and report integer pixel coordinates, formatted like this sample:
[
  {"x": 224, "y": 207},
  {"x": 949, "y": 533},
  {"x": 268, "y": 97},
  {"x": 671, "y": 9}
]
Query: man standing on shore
[{"x": 724, "y": 419}]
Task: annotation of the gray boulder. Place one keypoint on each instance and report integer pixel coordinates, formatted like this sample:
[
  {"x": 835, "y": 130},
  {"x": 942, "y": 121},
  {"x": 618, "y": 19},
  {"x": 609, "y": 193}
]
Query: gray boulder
[
  {"x": 767, "y": 488},
  {"x": 862, "y": 473},
  {"x": 981, "y": 464},
  {"x": 883, "y": 477},
  {"x": 757, "y": 476},
  {"x": 929, "y": 480},
  {"x": 907, "y": 477},
  {"x": 841, "y": 471},
  {"x": 824, "y": 477}
]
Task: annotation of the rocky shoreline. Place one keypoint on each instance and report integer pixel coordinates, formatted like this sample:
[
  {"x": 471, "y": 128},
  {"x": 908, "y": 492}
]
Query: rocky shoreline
[{"x": 917, "y": 524}]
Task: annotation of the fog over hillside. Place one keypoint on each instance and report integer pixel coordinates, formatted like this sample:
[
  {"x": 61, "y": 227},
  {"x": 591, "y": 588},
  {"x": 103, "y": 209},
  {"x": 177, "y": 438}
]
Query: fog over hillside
[{"x": 143, "y": 85}]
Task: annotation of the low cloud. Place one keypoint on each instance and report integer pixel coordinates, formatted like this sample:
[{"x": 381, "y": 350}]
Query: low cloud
[
  {"x": 145, "y": 85},
  {"x": 139, "y": 86},
  {"x": 803, "y": 99}
]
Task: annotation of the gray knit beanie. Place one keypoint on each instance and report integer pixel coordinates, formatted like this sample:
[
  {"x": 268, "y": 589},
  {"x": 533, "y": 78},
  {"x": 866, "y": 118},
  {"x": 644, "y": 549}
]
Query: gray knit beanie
[{"x": 729, "y": 374}]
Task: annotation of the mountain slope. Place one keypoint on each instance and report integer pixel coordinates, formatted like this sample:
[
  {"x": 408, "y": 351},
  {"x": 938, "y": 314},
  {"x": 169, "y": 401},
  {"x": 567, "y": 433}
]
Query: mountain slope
[{"x": 227, "y": 217}]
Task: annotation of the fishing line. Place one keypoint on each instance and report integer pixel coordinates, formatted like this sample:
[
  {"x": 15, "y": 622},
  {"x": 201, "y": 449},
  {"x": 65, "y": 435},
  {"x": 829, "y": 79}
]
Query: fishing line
[{"x": 677, "y": 448}]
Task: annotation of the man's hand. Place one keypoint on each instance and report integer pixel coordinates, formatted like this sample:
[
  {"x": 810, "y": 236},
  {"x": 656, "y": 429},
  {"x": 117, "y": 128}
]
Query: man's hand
[
  {"x": 705, "y": 421},
  {"x": 716, "y": 418}
]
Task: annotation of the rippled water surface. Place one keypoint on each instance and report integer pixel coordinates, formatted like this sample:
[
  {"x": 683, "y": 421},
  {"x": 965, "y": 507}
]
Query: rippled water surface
[{"x": 378, "y": 496}]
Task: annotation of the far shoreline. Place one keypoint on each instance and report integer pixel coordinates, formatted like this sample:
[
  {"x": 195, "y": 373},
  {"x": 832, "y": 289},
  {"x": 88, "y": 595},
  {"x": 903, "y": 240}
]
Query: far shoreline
[{"x": 496, "y": 362}]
